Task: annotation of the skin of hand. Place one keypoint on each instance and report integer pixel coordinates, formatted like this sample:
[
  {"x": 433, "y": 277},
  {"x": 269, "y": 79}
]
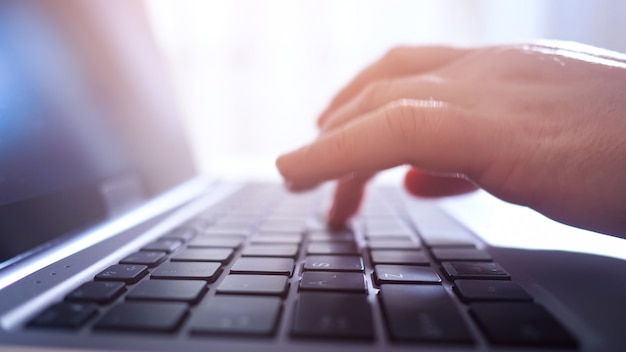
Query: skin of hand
[{"x": 541, "y": 125}]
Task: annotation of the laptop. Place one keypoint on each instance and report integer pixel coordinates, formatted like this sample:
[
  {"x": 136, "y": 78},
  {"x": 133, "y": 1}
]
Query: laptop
[{"x": 111, "y": 241}]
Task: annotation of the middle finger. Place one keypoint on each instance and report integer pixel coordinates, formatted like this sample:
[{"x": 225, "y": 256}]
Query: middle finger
[{"x": 376, "y": 95}]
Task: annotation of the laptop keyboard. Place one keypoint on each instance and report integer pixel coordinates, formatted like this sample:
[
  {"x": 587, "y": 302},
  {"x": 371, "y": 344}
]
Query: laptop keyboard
[{"x": 234, "y": 269}]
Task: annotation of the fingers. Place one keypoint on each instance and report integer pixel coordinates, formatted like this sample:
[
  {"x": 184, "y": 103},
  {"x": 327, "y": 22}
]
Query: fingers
[
  {"x": 423, "y": 184},
  {"x": 429, "y": 135},
  {"x": 347, "y": 199},
  {"x": 350, "y": 191},
  {"x": 380, "y": 93},
  {"x": 399, "y": 61}
]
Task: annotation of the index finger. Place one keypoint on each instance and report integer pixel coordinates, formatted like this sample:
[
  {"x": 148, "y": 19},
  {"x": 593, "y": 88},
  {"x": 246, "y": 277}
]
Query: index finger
[{"x": 433, "y": 137}]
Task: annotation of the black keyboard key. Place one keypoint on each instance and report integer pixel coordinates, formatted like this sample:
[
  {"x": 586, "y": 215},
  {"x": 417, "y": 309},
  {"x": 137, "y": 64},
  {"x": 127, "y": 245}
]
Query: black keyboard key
[
  {"x": 474, "y": 270},
  {"x": 338, "y": 248},
  {"x": 97, "y": 291},
  {"x": 437, "y": 229},
  {"x": 386, "y": 274},
  {"x": 168, "y": 290},
  {"x": 422, "y": 313},
  {"x": 216, "y": 242},
  {"x": 65, "y": 315},
  {"x": 331, "y": 236},
  {"x": 460, "y": 254},
  {"x": 520, "y": 324},
  {"x": 277, "y": 239},
  {"x": 250, "y": 265},
  {"x": 280, "y": 223},
  {"x": 200, "y": 223},
  {"x": 221, "y": 255},
  {"x": 144, "y": 316},
  {"x": 188, "y": 271},
  {"x": 254, "y": 284},
  {"x": 319, "y": 224},
  {"x": 182, "y": 234},
  {"x": 150, "y": 259},
  {"x": 289, "y": 212},
  {"x": 298, "y": 217},
  {"x": 383, "y": 233},
  {"x": 240, "y": 227},
  {"x": 333, "y": 263},
  {"x": 236, "y": 222},
  {"x": 122, "y": 272},
  {"x": 332, "y": 315},
  {"x": 403, "y": 257},
  {"x": 444, "y": 238},
  {"x": 270, "y": 250},
  {"x": 282, "y": 228},
  {"x": 233, "y": 223},
  {"x": 393, "y": 243},
  {"x": 237, "y": 315},
  {"x": 490, "y": 290},
  {"x": 226, "y": 232},
  {"x": 333, "y": 281},
  {"x": 163, "y": 245}
]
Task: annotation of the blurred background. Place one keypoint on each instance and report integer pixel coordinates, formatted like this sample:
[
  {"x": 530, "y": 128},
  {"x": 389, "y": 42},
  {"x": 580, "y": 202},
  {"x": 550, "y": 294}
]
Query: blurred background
[{"x": 251, "y": 76}]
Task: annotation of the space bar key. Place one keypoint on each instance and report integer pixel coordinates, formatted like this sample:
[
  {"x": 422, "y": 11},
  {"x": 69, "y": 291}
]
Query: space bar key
[{"x": 422, "y": 313}]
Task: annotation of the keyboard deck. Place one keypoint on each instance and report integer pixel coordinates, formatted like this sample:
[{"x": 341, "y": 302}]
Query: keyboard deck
[{"x": 262, "y": 264}]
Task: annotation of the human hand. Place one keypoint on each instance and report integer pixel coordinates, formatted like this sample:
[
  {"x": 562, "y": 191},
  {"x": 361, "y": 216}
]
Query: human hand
[{"x": 540, "y": 125}]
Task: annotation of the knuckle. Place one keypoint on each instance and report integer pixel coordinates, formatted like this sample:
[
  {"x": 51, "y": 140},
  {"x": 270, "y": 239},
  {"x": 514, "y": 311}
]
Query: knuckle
[
  {"x": 375, "y": 93},
  {"x": 415, "y": 124},
  {"x": 403, "y": 120}
]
